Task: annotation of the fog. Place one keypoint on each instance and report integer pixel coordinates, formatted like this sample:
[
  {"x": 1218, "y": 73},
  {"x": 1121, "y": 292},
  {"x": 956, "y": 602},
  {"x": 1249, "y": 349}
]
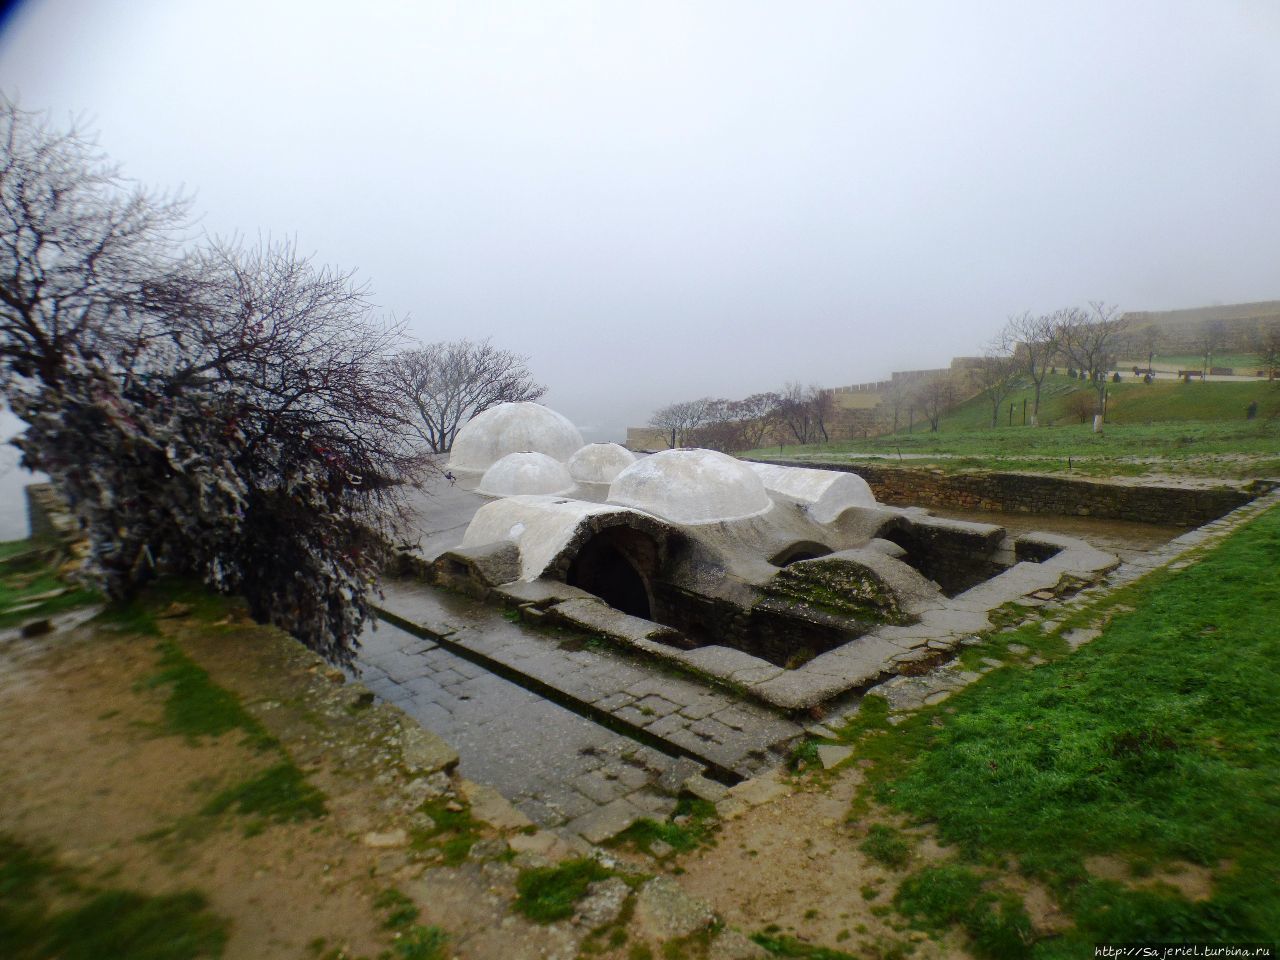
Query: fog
[{"x": 661, "y": 201}]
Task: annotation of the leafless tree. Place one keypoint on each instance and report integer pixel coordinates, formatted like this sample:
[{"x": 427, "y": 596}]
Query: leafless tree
[
  {"x": 81, "y": 251},
  {"x": 1144, "y": 340},
  {"x": 756, "y": 415},
  {"x": 219, "y": 413},
  {"x": 996, "y": 375},
  {"x": 1209, "y": 337},
  {"x": 806, "y": 411},
  {"x": 1266, "y": 347},
  {"x": 1090, "y": 339},
  {"x": 446, "y": 384},
  {"x": 896, "y": 397},
  {"x": 680, "y": 420},
  {"x": 1034, "y": 341},
  {"x": 933, "y": 398}
]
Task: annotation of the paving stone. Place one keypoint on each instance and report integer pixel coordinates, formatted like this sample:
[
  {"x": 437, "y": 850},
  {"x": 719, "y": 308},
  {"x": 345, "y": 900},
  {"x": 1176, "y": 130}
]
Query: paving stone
[
  {"x": 656, "y": 706},
  {"x": 829, "y": 755},
  {"x": 600, "y": 824},
  {"x": 598, "y": 788},
  {"x": 1080, "y": 636},
  {"x": 704, "y": 788},
  {"x": 615, "y": 701}
]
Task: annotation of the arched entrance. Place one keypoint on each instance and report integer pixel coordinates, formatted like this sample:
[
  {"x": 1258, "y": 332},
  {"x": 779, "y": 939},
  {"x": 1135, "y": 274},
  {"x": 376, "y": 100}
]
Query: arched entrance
[{"x": 609, "y": 565}]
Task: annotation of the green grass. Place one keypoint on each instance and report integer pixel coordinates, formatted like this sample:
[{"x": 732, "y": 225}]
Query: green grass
[
  {"x": 887, "y": 845},
  {"x": 26, "y": 573},
  {"x": 1157, "y": 743},
  {"x": 413, "y": 941},
  {"x": 453, "y": 831},
  {"x": 280, "y": 793},
  {"x": 45, "y": 913},
  {"x": 548, "y": 894},
  {"x": 1193, "y": 428},
  {"x": 699, "y": 827},
  {"x": 197, "y": 707}
]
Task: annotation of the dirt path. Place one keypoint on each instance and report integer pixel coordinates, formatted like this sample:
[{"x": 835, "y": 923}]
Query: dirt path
[{"x": 92, "y": 774}]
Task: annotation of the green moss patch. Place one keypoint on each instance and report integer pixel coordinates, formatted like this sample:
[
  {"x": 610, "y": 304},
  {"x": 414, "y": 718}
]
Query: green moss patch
[
  {"x": 196, "y": 706},
  {"x": 46, "y": 913},
  {"x": 280, "y": 793},
  {"x": 547, "y": 894}
]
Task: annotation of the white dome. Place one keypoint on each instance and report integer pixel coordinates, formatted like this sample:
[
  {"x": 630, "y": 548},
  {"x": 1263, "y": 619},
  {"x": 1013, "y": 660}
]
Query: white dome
[
  {"x": 518, "y": 474},
  {"x": 513, "y": 428},
  {"x": 600, "y": 462},
  {"x": 691, "y": 486}
]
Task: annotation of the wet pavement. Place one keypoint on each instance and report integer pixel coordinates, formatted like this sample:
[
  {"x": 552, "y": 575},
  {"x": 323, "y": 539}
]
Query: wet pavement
[
  {"x": 558, "y": 768},
  {"x": 681, "y": 714}
]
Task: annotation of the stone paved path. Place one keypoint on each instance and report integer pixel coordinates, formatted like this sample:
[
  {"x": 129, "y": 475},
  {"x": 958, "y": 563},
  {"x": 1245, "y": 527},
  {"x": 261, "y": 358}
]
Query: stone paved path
[
  {"x": 559, "y": 769},
  {"x": 703, "y": 722}
]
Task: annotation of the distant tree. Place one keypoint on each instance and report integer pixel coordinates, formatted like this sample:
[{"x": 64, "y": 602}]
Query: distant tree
[
  {"x": 1034, "y": 341},
  {"x": 806, "y": 411},
  {"x": 1080, "y": 403},
  {"x": 995, "y": 376},
  {"x": 1209, "y": 338},
  {"x": 682, "y": 419},
  {"x": 446, "y": 384},
  {"x": 934, "y": 398},
  {"x": 218, "y": 413},
  {"x": 1144, "y": 342},
  {"x": 1266, "y": 347},
  {"x": 895, "y": 398},
  {"x": 756, "y": 416},
  {"x": 1090, "y": 340}
]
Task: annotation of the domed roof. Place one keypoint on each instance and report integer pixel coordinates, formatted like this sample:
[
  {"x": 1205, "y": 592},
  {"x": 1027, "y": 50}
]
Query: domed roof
[
  {"x": 600, "y": 462},
  {"x": 513, "y": 428},
  {"x": 518, "y": 474},
  {"x": 691, "y": 486}
]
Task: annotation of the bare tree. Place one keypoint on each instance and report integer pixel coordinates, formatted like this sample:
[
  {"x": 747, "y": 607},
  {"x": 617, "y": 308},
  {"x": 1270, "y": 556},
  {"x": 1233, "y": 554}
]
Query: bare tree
[
  {"x": 897, "y": 397},
  {"x": 806, "y": 411},
  {"x": 996, "y": 375},
  {"x": 1209, "y": 337},
  {"x": 1090, "y": 339},
  {"x": 1266, "y": 347},
  {"x": 220, "y": 413},
  {"x": 1034, "y": 341},
  {"x": 823, "y": 403},
  {"x": 80, "y": 252},
  {"x": 1144, "y": 341},
  {"x": 680, "y": 420},
  {"x": 933, "y": 398},
  {"x": 756, "y": 415},
  {"x": 446, "y": 384}
]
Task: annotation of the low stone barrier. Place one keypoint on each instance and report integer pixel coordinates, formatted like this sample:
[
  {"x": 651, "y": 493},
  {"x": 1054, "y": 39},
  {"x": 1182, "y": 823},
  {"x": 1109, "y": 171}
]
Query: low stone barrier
[{"x": 1037, "y": 494}]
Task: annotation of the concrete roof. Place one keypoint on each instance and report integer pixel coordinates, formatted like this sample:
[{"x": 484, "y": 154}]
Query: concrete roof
[{"x": 513, "y": 428}]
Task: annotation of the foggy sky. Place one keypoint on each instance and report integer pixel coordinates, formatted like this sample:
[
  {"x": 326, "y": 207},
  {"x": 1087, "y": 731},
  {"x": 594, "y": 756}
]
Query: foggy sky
[{"x": 657, "y": 201}]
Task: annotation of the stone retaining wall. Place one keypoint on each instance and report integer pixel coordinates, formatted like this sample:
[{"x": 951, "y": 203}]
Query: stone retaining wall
[
  {"x": 48, "y": 516},
  {"x": 1025, "y": 493}
]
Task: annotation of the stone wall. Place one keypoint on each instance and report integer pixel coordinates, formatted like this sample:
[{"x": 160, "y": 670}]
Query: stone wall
[
  {"x": 48, "y": 516},
  {"x": 1023, "y": 493}
]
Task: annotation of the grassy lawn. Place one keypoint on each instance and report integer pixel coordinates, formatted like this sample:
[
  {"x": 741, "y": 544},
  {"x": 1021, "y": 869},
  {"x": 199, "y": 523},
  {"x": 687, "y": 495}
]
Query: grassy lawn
[
  {"x": 1102, "y": 776},
  {"x": 1197, "y": 429}
]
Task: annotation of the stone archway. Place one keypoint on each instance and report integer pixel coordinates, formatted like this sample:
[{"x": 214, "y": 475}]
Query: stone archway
[{"x": 616, "y": 565}]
